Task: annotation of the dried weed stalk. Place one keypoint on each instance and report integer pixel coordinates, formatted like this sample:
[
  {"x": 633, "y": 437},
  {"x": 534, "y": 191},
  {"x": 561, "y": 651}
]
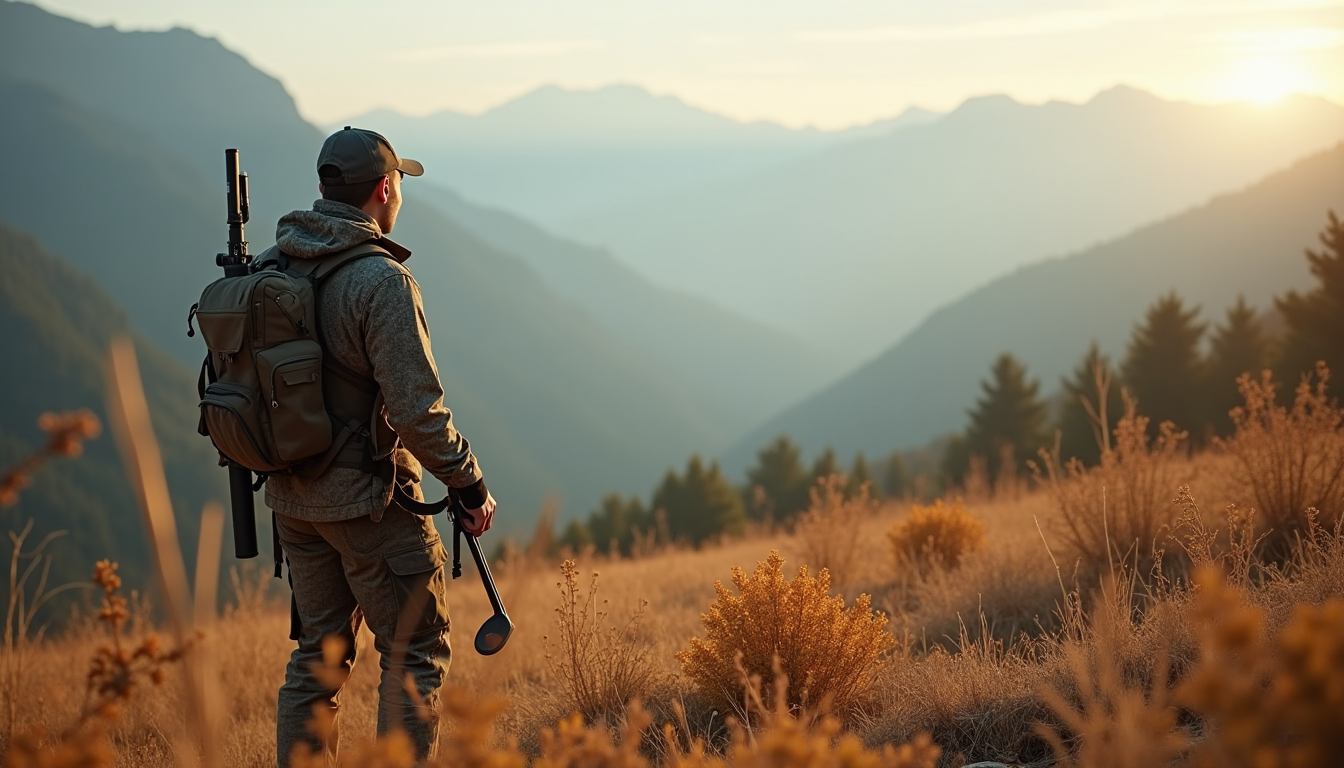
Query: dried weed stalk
[
  {"x": 1115, "y": 512},
  {"x": 66, "y": 435},
  {"x": 1263, "y": 698},
  {"x": 1270, "y": 699},
  {"x": 1289, "y": 460},
  {"x": 830, "y": 530},
  {"x": 1205, "y": 546},
  {"x": 601, "y": 667},
  {"x": 118, "y": 669}
]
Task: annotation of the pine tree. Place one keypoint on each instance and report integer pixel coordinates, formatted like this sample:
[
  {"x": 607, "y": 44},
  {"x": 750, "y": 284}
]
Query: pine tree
[
  {"x": 1008, "y": 415},
  {"x": 1315, "y": 319},
  {"x": 576, "y": 536},
  {"x": 956, "y": 460},
  {"x": 1238, "y": 346},
  {"x": 1080, "y": 407},
  {"x": 780, "y": 475},
  {"x": 825, "y": 465},
  {"x": 1163, "y": 369},
  {"x": 860, "y": 475},
  {"x": 895, "y": 476},
  {"x": 617, "y": 521},
  {"x": 700, "y": 505}
]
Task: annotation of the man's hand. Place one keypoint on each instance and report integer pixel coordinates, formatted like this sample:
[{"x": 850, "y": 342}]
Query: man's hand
[{"x": 478, "y": 521}]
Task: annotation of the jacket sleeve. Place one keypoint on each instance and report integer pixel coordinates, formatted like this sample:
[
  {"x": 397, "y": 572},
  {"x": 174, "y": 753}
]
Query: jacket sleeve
[{"x": 396, "y": 339}]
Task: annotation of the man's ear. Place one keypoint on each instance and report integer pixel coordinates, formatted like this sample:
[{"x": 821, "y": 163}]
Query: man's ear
[
  {"x": 321, "y": 190},
  {"x": 384, "y": 191}
]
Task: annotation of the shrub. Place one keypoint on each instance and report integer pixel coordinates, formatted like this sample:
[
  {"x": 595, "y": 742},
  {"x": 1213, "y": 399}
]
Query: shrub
[
  {"x": 829, "y": 531},
  {"x": 600, "y": 667},
  {"x": 1266, "y": 698},
  {"x": 940, "y": 535},
  {"x": 1114, "y": 512},
  {"x": 829, "y": 653},
  {"x": 1289, "y": 460}
]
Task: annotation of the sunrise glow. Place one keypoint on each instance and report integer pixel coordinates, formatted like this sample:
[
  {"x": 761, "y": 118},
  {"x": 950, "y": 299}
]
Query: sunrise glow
[{"x": 1266, "y": 79}]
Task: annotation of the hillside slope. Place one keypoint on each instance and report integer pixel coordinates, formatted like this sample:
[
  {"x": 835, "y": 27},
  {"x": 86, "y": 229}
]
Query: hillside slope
[
  {"x": 128, "y": 131},
  {"x": 553, "y": 402},
  {"x": 895, "y": 227},
  {"x": 1248, "y": 243},
  {"x": 58, "y": 323},
  {"x": 553, "y": 397},
  {"x": 751, "y": 370}
]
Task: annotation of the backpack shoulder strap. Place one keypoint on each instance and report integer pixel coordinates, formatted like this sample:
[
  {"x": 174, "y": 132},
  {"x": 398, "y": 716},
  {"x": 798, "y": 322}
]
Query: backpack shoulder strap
[
  {"x": 271, "y": 258},
  {"x": 322, "y": 267}
]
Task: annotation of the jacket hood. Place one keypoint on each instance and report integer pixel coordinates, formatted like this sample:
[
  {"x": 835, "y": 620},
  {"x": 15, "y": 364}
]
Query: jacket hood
[{"x": 329, "y": 227}]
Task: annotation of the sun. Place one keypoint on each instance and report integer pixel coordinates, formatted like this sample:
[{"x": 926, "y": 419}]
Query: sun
[{"x": 1264, "y": 79}]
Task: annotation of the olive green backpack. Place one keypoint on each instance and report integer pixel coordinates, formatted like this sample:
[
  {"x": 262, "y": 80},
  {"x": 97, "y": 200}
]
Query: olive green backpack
[{"x": 271, "y": 399}]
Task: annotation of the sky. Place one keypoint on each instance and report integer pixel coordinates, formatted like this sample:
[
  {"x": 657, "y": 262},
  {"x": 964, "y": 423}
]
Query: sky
[{"x": 824, "y": 63}]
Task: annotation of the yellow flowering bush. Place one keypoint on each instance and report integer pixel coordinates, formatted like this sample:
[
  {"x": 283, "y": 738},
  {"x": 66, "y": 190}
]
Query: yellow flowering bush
[
  {"x": 830, "y": 653},
  {"x": 938, "y": 535}
]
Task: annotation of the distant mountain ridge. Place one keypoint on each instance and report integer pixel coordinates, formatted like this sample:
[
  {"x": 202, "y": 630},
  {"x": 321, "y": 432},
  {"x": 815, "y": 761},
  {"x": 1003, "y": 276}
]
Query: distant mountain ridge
[
  {"x": 1245, "y": 243},
  {"x": 555, "y": 153},
  {"x": 898, "y": 225},
  {"x": 753, "y": 371},
  {"x": 553, "y": 399}
]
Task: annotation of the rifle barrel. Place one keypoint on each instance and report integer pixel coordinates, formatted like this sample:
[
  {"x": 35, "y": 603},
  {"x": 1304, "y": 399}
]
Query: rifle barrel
[{"x": 236, "y": 205}]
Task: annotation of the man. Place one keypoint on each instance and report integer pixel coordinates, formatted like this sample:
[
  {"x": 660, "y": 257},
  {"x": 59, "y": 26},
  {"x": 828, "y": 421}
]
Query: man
[{"x": 354, "y": 553}]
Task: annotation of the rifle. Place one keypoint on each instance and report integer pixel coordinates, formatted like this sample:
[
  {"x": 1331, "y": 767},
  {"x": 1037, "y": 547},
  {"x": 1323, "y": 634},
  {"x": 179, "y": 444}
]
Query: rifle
[{"x": 238, "y": 263}]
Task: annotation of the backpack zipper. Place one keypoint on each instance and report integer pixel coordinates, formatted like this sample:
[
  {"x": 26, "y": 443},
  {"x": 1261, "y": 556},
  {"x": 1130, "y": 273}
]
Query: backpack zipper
[{"x": 299, "y": 324}]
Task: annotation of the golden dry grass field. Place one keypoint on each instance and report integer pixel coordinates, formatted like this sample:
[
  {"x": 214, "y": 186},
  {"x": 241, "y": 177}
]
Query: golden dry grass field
[{"x": 997, "y": 632}]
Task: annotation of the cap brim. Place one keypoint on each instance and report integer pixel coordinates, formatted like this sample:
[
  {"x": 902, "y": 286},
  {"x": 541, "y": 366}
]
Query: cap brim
[{"x": 411, "y": 167}]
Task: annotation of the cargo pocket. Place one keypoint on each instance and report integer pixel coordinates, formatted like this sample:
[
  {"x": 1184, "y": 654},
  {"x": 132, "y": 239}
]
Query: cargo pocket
[{"x": 419, "y": 584}]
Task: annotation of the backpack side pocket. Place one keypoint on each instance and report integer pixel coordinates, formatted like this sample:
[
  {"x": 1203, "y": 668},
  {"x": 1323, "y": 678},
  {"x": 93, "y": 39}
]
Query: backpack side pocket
[
  {"x": 229, "y": 413},
  {"x": 291, "y": 388}
]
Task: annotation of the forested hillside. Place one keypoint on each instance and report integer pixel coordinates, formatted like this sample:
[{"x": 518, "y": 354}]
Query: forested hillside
[
  {"x": 58, "y": 323},
  {"x": 1247, "y": 244}
]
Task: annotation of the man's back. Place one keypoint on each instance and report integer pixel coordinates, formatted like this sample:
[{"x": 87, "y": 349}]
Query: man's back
[{"x": 371, "y": 321}]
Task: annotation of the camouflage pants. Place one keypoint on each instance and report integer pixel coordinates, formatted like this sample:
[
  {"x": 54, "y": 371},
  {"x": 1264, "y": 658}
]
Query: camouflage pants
[{"x": 391, "y": 575}]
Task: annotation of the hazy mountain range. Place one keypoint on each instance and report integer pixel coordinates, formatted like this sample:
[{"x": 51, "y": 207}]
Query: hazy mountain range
[
  {"x": 559, "y": 392},
  {"x": 554, "y": 154},
  {"x": 851, "y": 246},
  {"x": 1247, "y": 243},
  {"x": 575, "y": 369}
]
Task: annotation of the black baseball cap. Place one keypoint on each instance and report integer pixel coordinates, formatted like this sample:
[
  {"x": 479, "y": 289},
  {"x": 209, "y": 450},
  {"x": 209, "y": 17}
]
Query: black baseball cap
[{"x": 359, "y": 155}]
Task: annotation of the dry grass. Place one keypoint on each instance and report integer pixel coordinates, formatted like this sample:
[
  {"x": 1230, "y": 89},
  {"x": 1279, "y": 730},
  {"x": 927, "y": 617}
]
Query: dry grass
[
  {"x": 828, "y": 531},
  {"x": 1289, "y": 460},
  {"x": 599, "y": 666},
  {"x": 1119, "y": 511},
  {"x": 1242, "y": 667}
]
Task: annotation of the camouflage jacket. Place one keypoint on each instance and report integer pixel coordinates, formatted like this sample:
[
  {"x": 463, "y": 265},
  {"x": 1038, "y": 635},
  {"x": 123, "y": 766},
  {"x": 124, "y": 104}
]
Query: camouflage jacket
[{"x": 373, "y": 323}]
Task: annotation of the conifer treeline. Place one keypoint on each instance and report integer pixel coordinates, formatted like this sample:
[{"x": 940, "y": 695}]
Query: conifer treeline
[{"x": 1168, "y": 369}]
